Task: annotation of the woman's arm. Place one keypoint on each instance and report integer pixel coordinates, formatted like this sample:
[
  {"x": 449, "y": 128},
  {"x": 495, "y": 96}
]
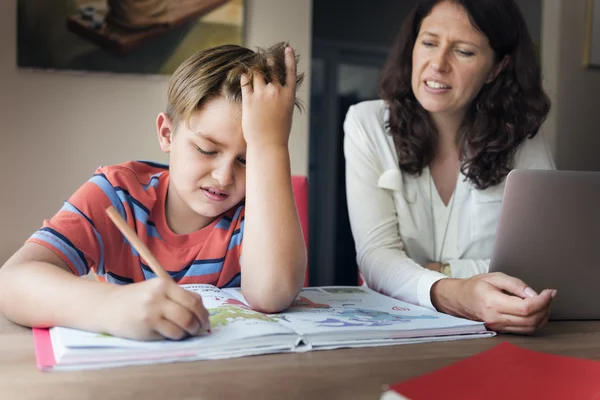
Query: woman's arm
[
  {"x": 463, "y": 268},
  {"x": 382, "y": 260}
]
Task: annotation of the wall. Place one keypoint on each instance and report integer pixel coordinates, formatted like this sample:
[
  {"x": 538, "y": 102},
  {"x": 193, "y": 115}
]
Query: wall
[
  {"x": 572, "y": 127},
  {"x": 380, "y": 20},
  {"x": 58, "y": 127}
]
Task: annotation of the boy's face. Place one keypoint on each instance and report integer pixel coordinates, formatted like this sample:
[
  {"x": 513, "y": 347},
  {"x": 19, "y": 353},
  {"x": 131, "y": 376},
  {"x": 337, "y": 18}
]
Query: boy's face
[{"x": 207, "y": 164}]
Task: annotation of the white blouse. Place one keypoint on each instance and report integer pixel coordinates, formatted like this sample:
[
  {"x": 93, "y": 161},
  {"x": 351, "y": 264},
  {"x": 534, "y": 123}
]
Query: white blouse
[{"x": 391, "y": 212}]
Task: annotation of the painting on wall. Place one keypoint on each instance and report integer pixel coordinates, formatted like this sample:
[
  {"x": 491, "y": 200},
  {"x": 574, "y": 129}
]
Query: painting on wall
[
  {"x": 591, "y": 56},
  {"x": 123, "y": 36}
]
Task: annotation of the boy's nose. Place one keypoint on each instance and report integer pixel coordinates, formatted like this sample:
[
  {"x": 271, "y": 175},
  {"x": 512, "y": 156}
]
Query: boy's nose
[{"x": 223, "y": 175}]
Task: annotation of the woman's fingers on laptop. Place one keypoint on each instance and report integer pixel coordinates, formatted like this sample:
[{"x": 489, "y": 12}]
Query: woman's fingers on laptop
[
  {"x": 524, "y": 328},
  {"x": 505, "y": 303},
  {"x": 517, "y": 315},
  {"x": 513, "y": 305},
  {"x": 522, "y": 325},
  {"x": 503, "y": 311},
  {"x": 510, "y": 284},
  {"x": 518, "y": 324}
]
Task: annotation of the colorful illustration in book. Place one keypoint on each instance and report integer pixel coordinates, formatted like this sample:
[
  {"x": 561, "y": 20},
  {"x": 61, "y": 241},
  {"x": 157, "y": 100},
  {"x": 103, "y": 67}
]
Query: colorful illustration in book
[
  {"x": 233, "y": 302},
  {"x": 303, "y": 302},
  {"x": 228, "y": 313},
  {"x": 364, "y": 317}
]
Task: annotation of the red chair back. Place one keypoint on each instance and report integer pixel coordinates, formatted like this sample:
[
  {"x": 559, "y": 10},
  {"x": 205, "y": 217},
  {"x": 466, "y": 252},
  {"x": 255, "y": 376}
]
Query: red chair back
[{"x": 300, "y": 188}]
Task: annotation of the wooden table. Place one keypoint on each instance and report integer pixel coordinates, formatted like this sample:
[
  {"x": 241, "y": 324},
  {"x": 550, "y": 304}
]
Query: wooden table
[{"x": 335, "y": 374}]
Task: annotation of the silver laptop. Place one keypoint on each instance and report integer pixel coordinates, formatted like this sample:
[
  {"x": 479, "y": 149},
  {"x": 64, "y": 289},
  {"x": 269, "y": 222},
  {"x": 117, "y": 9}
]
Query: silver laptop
[{"x": 549, "y": 236}]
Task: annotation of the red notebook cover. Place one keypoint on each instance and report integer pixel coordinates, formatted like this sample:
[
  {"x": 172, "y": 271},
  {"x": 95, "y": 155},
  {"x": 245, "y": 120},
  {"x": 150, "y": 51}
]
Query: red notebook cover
[
  {"x": 44, "y": 354},
  {"x": 508, "y": 372}
]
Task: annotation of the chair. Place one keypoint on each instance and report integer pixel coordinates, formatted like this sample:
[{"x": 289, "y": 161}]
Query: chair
[{"x": 300, "y": 188}]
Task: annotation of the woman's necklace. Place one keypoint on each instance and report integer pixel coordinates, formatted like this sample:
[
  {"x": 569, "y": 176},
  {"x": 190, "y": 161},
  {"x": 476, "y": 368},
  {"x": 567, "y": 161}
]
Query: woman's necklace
[{"x": 439, "y": 258}]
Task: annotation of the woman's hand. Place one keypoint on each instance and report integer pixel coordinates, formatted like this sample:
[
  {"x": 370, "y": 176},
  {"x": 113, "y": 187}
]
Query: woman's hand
[
  {"x": 502, "y": 302},
  {"x": 267, "y": 108}
]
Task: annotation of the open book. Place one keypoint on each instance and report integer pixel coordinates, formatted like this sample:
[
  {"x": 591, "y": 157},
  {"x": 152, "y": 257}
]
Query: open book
[{"x": 320, "y": 318}]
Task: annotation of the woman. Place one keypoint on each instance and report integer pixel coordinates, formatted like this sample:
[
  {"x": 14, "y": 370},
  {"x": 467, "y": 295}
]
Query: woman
[{"x": 426, "y": 166}]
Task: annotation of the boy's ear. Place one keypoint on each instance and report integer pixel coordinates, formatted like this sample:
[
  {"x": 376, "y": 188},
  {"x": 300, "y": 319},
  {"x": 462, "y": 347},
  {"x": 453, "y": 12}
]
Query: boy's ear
[
  {"x": 165, "y": 130},
  {"x": 498, "y": 68}
]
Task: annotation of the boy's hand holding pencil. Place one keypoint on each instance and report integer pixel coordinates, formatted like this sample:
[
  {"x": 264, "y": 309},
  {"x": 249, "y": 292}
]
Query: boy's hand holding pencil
[{"x": 157, "y": 308}]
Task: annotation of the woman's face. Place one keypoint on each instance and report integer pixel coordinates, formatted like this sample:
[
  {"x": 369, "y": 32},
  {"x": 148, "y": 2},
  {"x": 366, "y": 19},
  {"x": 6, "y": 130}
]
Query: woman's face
[{"x": 451, "y": 61}]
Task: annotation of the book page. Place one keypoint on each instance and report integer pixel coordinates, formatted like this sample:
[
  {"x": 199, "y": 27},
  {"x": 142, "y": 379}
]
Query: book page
[
  {"x": 359, "y": 309},
  {"x": 231, "y": 320}
]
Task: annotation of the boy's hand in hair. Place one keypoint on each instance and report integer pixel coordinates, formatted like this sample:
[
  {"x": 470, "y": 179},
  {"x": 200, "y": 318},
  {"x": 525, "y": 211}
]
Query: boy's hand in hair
[
  {"x": 273, "y": 259},
  {"x": 267, "y": 108}
]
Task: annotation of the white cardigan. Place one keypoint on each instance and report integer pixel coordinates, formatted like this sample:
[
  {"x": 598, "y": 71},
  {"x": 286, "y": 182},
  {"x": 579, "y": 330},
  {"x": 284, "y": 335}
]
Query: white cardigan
[{"x": 390, "y": 212}]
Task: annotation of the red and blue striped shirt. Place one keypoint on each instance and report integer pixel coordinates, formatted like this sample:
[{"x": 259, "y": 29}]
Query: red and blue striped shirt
[{"x": 86, "y": 239}]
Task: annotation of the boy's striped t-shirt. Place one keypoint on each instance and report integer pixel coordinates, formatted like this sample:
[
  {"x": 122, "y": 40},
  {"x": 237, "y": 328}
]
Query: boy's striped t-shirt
[{"x": 83, "y": 235}]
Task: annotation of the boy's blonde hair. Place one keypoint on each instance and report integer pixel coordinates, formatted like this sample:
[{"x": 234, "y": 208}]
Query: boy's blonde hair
[{"x": 216, "y": 72}]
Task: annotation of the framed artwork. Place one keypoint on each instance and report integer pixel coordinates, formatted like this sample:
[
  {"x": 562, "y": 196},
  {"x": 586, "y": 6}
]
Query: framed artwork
[
  {"x": 591, "y": 57},
  {"x": 123, "y": 36}
]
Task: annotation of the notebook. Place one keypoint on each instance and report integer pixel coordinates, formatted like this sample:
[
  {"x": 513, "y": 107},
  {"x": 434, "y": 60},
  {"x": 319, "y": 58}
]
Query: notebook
[
  {"x": 320, "y": 318},
  {"x": 505, "y": 372}
]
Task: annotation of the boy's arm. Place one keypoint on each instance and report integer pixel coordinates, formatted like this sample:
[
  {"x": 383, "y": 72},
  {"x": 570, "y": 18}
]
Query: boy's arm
[
  {"x": 274, "y": 255},
  {"x": 38, "y": 289}
]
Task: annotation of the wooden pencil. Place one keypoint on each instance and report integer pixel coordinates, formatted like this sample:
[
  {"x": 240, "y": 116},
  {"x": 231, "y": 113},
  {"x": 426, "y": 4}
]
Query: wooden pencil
[{"x": 137, "y": 243}]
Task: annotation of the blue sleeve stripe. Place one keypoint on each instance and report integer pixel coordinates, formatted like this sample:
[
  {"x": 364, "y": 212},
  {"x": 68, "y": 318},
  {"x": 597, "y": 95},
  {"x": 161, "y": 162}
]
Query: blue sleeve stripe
[
  {"x": 126, "y": 197},
  {"x": 100, "y": 268},
  {"x": 118, "y": 196},
  {"x": 102, "y": 182},
  {"x": 154, "y": 179},
  {"x": 236, "y": 281},
  {"x": 59, "y": 241},
  {"x": 71, "y": 208}
]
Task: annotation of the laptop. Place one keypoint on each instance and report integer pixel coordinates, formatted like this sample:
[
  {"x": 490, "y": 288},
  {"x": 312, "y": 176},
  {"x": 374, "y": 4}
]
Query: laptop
[{"x": 549, "y": 236}]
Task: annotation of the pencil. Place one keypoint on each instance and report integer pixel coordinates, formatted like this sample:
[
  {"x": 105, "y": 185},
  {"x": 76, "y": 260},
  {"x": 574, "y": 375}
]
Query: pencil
[
  {"x": 141, "y": 248},
  {"x": 137, "y": 243}
]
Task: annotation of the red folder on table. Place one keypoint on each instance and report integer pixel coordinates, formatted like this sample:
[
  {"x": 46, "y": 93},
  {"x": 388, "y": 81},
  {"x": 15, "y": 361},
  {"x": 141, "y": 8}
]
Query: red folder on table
[{"x": 506, "y": 372}]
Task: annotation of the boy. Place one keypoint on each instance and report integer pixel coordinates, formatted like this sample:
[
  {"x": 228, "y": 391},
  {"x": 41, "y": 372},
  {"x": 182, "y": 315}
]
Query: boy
[{"x": 225, "y": 105}]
